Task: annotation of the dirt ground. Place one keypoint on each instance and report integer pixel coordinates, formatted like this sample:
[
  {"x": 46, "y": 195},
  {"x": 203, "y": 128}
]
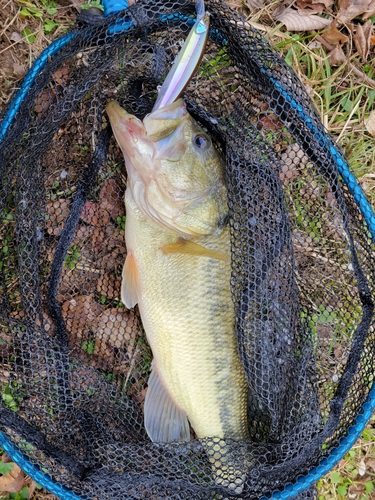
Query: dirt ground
[{"x": 27, "y": 27}]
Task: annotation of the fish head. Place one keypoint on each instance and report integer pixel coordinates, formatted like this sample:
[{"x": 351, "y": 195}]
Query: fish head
[{"x": 174, "y": 171}]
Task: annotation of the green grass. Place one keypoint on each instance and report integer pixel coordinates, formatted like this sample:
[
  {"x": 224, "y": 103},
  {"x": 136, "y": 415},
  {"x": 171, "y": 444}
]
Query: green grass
[
  {"x": 355, "y": 473},
  {"x": 343, "y": 102}
]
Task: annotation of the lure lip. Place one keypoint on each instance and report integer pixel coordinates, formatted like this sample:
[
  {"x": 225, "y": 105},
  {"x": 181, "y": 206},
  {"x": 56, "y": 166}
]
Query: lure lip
[{"x": 187, "y": 60}]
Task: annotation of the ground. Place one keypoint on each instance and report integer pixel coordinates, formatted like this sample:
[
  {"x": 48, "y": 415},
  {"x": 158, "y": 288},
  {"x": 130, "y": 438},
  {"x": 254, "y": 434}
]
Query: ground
[{"x": 330, "y": 45}]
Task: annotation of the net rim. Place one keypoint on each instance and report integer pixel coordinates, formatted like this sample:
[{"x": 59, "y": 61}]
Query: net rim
[{"x": 326, "y": 464}]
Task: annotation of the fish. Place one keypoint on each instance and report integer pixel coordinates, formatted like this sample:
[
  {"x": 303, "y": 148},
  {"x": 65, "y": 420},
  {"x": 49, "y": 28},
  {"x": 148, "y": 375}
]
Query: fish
[{"x": 177, "y": 270}]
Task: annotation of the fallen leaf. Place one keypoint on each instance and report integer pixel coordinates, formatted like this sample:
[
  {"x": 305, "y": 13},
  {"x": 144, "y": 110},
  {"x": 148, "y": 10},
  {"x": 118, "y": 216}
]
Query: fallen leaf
[
  {"x": 94, "y": 215},
  {"x": 316, "y": 8},
  {"x": 362, "y": 38},
  {"x": 356, "y": 489},
  {"x": 370, "y": 462},
  {"x": 111, "y": 199},
  {"x": 19, "y": 70},
  {"x": 47, "y": 323},
  {"x": 282, "y": 8},
  {"x": 336, "y": 56},
  {"x": 5, "y": 458},
  {"x": 116, "y": 327},
  {"x": 294, "y": 21},
  {"x": 293, "y": 161},
  {"x": 81, "y": 280},
  {"x": 370, "y": 125},
  {"x": 78, "y": 314},
  {"x": 370, "y": 11},
  {"x": 109, "y": 285},
  {"x": 324, "y": 42},
  {"x": 57, "y": 212},
  {"x": 333, "y": 36},
  {"x": 362, "y": 468},
  {"x": 254, "y": 4},
  {"x": 44, "y": 100},
  {"x": 14, "y": 481},
  {"x": 61, "y": 75},
  {"x": 15, "y": 37},
  {"x": 32, "y": 488},
  {"x": 116, "y": 332},
  {"x": 349, "y": 9},
  {"x": 327, "y": 3},
  {"x": 269, "y": 121}
]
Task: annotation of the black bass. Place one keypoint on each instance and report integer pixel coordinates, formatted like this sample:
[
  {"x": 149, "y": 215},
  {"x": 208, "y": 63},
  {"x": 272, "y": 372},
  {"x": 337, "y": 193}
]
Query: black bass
[{"x": 178, "y": 270}]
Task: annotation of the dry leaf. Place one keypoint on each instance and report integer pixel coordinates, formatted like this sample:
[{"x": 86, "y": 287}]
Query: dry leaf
[
  {"x": 336, "y": 56},
  {"x": 370, "y": 123},
  {"x": 356, "y": 489},
  {"x": 349, "y": 9},
  {"x": 15, "y": 37},
  {"x": 362, "y": 468},
  {"x": 116, "y": 331},
  {"x": 32, "y": 488},
  {"x": 19, "y": 70},
  {"x": 44, "y": 100},
  {"x": 94, "y": 215},
  {"x": 294, "y": 21},
  {"x": 316, "y": 8},
  {"x": 112, "y": 199},
  {"x": 61, "y": 75},
  {"x": 281, "y": 9},
  {"x": 78, "y": 314},
  {"x": 57, "y": 212},
  {"x": 254, "y": 4},
  {"x": 109, "y": 285},
  {"x": 293, "y": 161},
  {"x": 327, "y": 3},
  {"x": 116, "y": 327},
  {"x": 14, "y": 481},
  {"x": 370, "y": 11},
  {"x": 333, "y": 36},
  {"x": 362, "y": 38},
  {"x": 370, "y": 464},
  {"x": 5, "y": 458},
  {"x": 269, "y": 121}
]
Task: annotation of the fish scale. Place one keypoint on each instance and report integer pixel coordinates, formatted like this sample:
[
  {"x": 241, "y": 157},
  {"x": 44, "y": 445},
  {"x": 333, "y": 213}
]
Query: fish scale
[{"x": 187, "y": 312}]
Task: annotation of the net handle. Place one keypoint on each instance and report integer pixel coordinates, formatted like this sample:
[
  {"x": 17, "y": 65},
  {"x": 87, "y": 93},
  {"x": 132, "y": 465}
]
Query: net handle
[{"x": 114, "y": 6}]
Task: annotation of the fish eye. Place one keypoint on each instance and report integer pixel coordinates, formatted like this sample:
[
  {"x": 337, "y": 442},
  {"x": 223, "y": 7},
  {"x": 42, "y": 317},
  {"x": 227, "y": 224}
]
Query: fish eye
[{"x": 201, "y": 141}]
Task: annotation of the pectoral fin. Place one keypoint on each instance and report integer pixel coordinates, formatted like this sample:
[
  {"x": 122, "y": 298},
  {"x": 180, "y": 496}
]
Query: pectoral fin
[
  {"x": 164, "y": 421},
  {"x": 188, "y": 247},
  {"x": 130, "y": 282}
]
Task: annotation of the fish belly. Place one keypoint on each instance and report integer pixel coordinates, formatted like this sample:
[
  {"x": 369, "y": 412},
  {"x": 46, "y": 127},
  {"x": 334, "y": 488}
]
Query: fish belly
[{"x": 188, "y": 316}]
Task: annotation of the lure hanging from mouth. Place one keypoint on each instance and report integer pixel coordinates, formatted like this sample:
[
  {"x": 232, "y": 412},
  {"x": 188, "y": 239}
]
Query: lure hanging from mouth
[{"x": 187, "y": 61}]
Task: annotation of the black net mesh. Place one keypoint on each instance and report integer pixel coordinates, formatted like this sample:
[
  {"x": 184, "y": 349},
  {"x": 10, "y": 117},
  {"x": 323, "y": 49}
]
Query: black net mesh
[{"x": 75, "y": 361}]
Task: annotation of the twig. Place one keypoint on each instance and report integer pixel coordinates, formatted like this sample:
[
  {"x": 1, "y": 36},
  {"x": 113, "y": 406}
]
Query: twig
[
  {"x": 365, "y": 78},
  {"x": 10, "y": 22}
]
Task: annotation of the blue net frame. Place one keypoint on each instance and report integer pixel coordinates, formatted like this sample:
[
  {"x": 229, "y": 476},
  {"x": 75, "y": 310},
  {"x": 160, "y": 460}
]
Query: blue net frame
[{"x": 326, "y": 464}]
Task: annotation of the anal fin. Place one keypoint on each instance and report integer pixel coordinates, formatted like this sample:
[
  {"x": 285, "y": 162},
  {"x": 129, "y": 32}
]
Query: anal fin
[
  {"x": 130, "y": 282},
  {"x": 189, "y": 247},
  {"x": 164, "y": 421}
]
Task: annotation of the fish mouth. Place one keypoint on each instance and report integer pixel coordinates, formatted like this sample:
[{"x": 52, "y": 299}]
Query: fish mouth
[
  {"x": 124, "y": 125},
  {"x": 164, "y": 121},
  {"x": 115, "y": 112}
]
